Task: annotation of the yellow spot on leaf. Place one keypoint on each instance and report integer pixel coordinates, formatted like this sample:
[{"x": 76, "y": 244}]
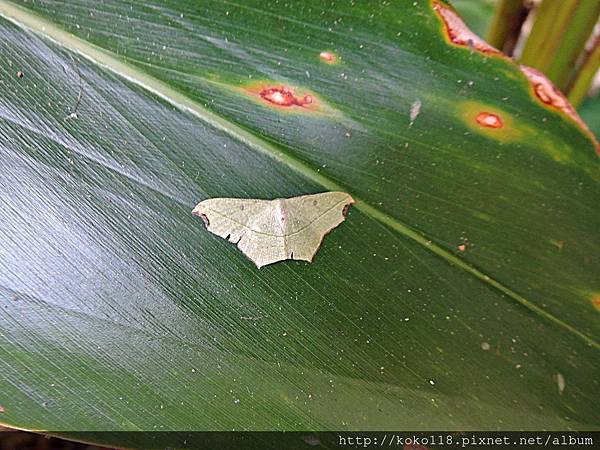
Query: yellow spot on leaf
[
  {"x": 478, "y": 116},
  {"x": 473, "y": 114}
]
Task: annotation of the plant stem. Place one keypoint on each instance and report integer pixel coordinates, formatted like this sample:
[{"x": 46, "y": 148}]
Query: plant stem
[
  {"x": 558, "y": 37},
  {"x": 504, "y": 32},
  {"x": 580, "y": 84}
]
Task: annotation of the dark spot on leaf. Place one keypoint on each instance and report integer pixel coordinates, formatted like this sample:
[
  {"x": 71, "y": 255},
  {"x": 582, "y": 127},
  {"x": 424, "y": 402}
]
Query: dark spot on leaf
[{"x": 20, "y": 74}]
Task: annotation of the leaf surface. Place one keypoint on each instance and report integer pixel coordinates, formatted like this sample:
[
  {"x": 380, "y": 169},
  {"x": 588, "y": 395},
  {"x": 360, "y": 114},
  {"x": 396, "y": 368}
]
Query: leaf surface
[{"x": 463, "y": 286}]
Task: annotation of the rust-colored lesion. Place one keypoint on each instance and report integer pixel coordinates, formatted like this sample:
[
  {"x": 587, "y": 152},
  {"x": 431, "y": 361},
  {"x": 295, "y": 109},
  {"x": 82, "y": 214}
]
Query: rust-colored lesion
[
  {"x": 502, "y": 126},
  {"x": 489, "y": 120},
  {"x": 328, "y": 57},
  {"x": 596, "y": 302},
  {"x": 545, "y": 91},
  {"x": 458, "y": 33},
  {"x": 282, "y": 96}
]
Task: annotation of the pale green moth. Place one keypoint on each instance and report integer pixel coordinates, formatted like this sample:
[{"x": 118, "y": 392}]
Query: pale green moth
[{"x": 267, "y": 231}]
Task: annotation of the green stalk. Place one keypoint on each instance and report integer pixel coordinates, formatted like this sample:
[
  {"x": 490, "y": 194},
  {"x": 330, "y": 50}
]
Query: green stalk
[
  {"x": 558, "y": 37},
  {"x": 580, "y": 85},
  {"x": 508, "y": 17}
]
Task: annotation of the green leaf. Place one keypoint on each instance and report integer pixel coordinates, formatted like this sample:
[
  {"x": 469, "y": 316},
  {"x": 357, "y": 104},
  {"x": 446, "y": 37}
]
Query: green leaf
[{"x": 460, "y": 293}]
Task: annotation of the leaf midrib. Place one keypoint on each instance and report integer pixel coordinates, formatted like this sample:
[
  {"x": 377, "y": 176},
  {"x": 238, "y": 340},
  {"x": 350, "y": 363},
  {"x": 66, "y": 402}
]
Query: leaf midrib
[{"x": 108, "y": 60}]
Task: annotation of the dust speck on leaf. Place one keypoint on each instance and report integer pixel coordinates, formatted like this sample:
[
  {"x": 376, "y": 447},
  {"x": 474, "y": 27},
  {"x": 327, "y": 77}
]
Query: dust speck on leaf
[
  {"x": 560, "y": 382},
  {"x": 462, "y": 247},
  {"x": 1, "y": 409},
  {"x": 268, "y": 231},
  {"x": 485, "y": 346},
  {"x": 20, "y": 74},
  {"x": 559, "y": 244}
]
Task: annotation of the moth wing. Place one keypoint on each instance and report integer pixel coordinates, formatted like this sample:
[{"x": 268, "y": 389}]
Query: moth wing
[{"x": 310, "y": 218}]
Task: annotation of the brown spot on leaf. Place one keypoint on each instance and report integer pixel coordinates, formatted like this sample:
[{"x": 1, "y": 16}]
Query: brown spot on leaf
[
  {"x": 328, "y": 57},
  {"x": 284, "y": 96},
  {"x": 489, "y": 120},
  {"x": 596, "y": 302},
  {"x": 549, "y": 94},
  {"x": 459, "y": 34}
]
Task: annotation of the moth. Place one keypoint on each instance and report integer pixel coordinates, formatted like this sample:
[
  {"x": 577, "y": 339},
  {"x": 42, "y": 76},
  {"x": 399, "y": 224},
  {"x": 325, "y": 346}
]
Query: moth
[{"x": 268, "y": 231}]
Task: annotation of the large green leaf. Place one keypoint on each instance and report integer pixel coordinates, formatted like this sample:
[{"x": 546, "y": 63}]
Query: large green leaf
[{"x": 462, "y": 291}]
